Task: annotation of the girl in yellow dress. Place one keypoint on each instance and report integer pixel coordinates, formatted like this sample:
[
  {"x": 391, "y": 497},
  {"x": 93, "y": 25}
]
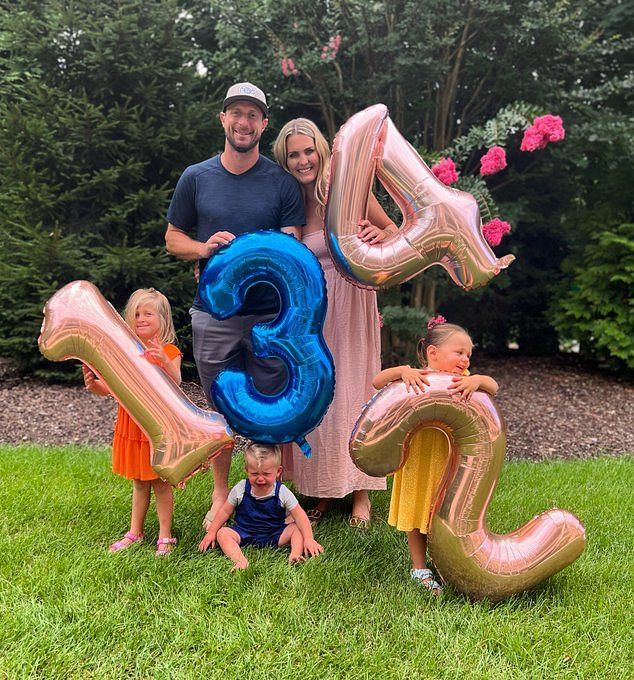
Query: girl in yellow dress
[{"x": 445, "y": 347}]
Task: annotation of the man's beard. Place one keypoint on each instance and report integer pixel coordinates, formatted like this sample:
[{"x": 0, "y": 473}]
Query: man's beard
[{"x": 243, "y": 148}]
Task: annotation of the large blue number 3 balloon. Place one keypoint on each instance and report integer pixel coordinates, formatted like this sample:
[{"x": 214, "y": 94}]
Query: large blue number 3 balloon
[{"x": 295, "y": 336}]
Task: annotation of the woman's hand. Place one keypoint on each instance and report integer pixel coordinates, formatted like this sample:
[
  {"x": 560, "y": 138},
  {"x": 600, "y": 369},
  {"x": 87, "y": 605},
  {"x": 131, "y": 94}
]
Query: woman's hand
[
  {"x": 370, "y": 233},
  {"x": 414, "y": 378}
]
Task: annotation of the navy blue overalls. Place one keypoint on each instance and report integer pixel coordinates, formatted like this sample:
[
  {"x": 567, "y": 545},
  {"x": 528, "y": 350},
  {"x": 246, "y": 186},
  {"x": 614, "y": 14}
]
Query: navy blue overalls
[{"x": 260, "y": 521}]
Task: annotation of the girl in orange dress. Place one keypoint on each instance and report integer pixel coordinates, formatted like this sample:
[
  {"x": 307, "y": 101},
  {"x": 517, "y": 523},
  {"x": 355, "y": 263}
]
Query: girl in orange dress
[
  {"x": 445, "y": 347},
  {"x": 149, "y": 315}
]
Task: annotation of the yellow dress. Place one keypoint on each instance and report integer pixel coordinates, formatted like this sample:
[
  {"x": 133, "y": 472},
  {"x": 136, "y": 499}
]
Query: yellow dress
[{"x": 416, "y": 483}]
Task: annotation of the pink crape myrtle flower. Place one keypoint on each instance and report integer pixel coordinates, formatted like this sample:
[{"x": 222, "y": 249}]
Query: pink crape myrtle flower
[
  {"x": 494, "y": 230},
  {"x": 331, "y": 49},
  {"x": 493, "y": 161},
  {"x": 445, "y": 171},
  {"x": 334, "y": 43},
  {"x": 288, "y": 67},
  {"x": 532, "y": 140},
  {"x": 545, "y": 129}
]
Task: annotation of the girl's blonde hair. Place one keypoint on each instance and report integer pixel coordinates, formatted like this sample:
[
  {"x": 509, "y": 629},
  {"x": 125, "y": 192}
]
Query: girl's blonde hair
[
  {"x": 304, "y": 126},
  {"x": 436, "y": 335},
  {"x": 151, "y": 296},
  {"x": 259, "y": 453}
]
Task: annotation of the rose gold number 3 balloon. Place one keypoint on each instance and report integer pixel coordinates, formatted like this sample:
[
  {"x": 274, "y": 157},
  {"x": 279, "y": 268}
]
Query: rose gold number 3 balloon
[
  {"x": 80, "y": 324},
  {"x": 474, "y": 560},
  {"x": 440, "y": 226}
]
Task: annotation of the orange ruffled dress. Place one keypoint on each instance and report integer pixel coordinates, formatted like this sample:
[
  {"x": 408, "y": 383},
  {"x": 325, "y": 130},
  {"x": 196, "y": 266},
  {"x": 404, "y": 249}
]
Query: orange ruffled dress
[{"x": 130, "y": 447}]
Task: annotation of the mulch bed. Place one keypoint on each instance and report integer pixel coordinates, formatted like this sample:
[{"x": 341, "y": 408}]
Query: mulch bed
[{"x": 553, "y": 409}]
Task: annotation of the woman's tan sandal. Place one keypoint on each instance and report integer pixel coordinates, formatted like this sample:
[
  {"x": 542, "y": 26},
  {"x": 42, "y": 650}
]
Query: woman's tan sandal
[
  {"x": 315, "y": 516},
  {"x": 359, "y": 523}
]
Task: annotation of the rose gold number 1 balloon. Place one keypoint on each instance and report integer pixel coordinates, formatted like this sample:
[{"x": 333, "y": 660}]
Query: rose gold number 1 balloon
[
  {"x": 474, "y": 560},
  {"x": 80, "y": 324},
  {"x": 440, "y": 226}
]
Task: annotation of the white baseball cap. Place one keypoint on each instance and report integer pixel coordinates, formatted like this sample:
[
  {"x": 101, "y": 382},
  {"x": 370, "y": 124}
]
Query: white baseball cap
[{"x": 246, "y": 92}]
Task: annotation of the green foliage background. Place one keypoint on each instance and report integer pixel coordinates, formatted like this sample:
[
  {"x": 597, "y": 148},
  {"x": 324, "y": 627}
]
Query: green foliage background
[{"x": 104, "y": 103}]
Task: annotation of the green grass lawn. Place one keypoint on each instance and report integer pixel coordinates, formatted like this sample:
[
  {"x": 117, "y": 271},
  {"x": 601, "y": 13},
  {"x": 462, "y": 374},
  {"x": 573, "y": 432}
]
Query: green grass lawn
[{"x": 70, "y": 609}]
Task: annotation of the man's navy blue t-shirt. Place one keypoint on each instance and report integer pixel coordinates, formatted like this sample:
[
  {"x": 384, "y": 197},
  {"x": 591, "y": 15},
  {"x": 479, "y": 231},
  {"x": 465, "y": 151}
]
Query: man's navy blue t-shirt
[{"x": 209, "y": 198}]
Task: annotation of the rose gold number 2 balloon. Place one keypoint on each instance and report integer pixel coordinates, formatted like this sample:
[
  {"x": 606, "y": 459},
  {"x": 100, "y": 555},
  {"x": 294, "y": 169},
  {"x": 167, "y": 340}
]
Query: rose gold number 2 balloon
[
  {"x": 474, "y": 560},
  {"x": 80, "y": 324},
  {"x": 440, "y": 226}
]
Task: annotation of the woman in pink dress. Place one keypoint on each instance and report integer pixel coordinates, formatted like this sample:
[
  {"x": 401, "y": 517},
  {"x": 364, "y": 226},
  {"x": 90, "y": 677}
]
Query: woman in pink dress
[{"x": 351, "y": 331}]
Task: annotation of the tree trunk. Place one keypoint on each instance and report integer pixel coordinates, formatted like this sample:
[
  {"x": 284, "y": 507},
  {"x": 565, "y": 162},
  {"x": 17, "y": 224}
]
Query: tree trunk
[
  {"x": 417, "y": 294},
  {"x": 429, "y": 298},
  {"x": 446, "y": 96}
]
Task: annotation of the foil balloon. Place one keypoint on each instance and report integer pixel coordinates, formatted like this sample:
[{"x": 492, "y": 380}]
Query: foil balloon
[
  {"x": 440, "y": 225},
  {"x": 80, "y": 324},
  {"x": 295, "y": 336},
  {"x": 477, "y": 562}
]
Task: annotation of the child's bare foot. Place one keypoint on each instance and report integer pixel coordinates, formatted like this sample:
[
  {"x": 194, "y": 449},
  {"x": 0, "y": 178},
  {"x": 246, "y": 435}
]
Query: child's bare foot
[
  {"x": 295, "y": 558},
  {"x": 239, "y": 565}
]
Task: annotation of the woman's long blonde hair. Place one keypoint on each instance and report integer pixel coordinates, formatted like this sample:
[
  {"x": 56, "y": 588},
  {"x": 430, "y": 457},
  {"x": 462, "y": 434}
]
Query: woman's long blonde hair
[
  {"x": 144, "y": 296},
  {"x": 304, "y": 126}
]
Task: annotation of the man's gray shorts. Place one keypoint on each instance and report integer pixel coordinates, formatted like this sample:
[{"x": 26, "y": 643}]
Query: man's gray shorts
[{"x": 219, "y": 344}]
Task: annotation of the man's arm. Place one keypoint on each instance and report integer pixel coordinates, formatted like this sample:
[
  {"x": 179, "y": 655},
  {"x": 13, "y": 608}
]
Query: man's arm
[
  {"x": 181, "y": 245},
  {"x": 293, "y": 231},
  {"x": 292, "y": 213}
]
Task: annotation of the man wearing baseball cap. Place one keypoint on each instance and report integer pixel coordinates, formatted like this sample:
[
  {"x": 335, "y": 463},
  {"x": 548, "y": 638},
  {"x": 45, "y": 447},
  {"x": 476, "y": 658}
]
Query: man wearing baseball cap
[
  {"x": 246, "y": 92},
  {"x": 235, "y": 192}
]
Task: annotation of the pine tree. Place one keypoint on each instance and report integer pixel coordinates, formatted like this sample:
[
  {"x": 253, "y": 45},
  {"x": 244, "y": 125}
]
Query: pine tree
[{"x": 99, "y": 115}]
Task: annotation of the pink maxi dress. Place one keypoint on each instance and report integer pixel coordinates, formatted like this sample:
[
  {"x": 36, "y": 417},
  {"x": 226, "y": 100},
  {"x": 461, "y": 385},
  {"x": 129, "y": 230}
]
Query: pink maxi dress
[{"x": 353, "y": 335}]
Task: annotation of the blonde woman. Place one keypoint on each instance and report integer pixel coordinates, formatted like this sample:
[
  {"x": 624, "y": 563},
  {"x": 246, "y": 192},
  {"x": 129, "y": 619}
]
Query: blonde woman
[{"x": 351, "y": 331}]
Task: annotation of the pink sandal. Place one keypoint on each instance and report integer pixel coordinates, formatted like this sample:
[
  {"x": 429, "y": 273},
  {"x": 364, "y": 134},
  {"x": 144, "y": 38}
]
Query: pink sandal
[
  {"x": 162, "y": 550},
  {"x": 121, "y": 543}
]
